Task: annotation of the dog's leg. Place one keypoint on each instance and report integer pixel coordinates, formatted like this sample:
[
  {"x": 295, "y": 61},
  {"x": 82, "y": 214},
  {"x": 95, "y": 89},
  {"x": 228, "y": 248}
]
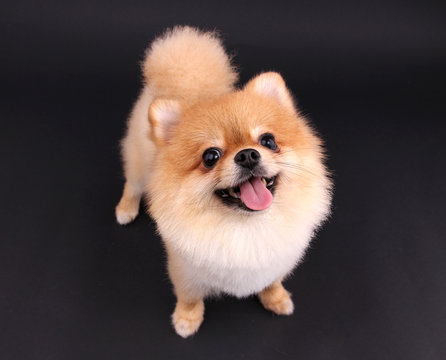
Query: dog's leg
[
  {"x": 189, "y": 310},
  {"x": 137, "y": 152},
  {"x": 128, "y": 206},
  {"x": 276, "y": 299}
]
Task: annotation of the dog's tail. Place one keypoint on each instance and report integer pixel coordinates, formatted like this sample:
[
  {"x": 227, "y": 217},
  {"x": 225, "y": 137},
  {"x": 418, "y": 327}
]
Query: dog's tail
[{"x": 187, "y": 64}]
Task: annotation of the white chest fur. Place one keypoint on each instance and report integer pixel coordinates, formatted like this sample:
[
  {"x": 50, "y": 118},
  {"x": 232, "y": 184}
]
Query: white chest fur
[{"x": 239, "y": 257}]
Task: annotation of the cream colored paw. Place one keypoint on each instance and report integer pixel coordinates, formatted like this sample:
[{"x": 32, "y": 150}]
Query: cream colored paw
[
  {"x": 123, "y": 217},
  {"x": 187, "y": 318},
  {"x": 128, "y": 207},
  {"x": 126, "y": 211},
  {"x": 277, "y": 299}
]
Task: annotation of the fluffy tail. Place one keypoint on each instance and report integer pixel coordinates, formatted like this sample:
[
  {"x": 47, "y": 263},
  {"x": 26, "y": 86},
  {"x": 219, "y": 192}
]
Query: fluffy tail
[{"x": 188, "y": 64}]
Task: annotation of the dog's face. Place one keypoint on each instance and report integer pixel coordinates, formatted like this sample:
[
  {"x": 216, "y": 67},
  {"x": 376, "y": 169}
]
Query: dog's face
[{"x": 244, "y": 153}]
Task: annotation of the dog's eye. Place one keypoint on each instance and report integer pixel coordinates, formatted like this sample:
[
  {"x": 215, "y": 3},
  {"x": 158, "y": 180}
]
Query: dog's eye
[
  {"x": 210, "y": 157},
  {"x": 268, "y": 141}
]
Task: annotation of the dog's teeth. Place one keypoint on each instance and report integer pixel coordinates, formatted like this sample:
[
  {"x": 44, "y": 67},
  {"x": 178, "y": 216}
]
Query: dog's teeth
[
  {"x": 233, "y": 193},
  {"x": 264, "y": 181},
  {"x": 271, "y": 182},
  {"x": 222, "y": 193}
]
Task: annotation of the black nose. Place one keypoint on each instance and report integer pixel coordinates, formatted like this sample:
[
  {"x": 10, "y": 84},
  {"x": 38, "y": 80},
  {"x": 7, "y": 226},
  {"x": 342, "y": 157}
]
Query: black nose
[{"x": 248, "y": 158}]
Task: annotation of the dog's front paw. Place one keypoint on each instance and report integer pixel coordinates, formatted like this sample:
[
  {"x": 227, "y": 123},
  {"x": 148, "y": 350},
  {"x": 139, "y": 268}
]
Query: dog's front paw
[
  {"x": 187, "y": 318},
  {"x": 276, "y": 299}
]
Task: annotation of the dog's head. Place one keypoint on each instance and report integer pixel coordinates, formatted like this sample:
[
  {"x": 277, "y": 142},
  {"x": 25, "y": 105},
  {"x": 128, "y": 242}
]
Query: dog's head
[{"x": 243, "y": 153}]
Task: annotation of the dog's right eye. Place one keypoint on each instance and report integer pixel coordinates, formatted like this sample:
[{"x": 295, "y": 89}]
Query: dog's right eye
[{"x": 210, "y": 157}]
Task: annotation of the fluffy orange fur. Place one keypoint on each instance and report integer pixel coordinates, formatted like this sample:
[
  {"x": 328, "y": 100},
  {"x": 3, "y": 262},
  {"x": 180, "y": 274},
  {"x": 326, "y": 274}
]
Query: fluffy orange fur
[
  {"x": 188, "y": 105},
  {"x": 194, "y": 67}
]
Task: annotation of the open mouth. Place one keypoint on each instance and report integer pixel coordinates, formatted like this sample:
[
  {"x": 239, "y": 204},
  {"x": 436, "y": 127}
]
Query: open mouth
[{"x": 254, "y": 194}]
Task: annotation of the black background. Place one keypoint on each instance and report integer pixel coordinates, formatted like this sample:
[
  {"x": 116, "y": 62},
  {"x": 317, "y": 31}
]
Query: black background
[{"x": 75, "y": 285}]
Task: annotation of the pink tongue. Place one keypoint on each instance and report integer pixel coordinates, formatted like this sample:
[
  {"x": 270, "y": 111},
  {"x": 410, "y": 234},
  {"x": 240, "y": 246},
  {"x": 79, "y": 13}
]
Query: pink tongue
[{"x": 255, "y": 195}]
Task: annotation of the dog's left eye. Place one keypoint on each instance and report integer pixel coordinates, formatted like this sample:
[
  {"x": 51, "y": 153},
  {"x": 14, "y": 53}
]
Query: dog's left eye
[
  {"x": 268, "y": 141},
  {"x": 210, "y": 157}
]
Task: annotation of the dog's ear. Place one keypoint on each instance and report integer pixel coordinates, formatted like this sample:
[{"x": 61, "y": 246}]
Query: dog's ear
[
  {"x": 271, "y": 85},
  {"x": 164, "y": 115}
]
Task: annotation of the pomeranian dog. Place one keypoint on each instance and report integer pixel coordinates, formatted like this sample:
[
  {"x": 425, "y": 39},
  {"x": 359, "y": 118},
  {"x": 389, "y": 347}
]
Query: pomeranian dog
[{"x": 234, "y": 178}]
